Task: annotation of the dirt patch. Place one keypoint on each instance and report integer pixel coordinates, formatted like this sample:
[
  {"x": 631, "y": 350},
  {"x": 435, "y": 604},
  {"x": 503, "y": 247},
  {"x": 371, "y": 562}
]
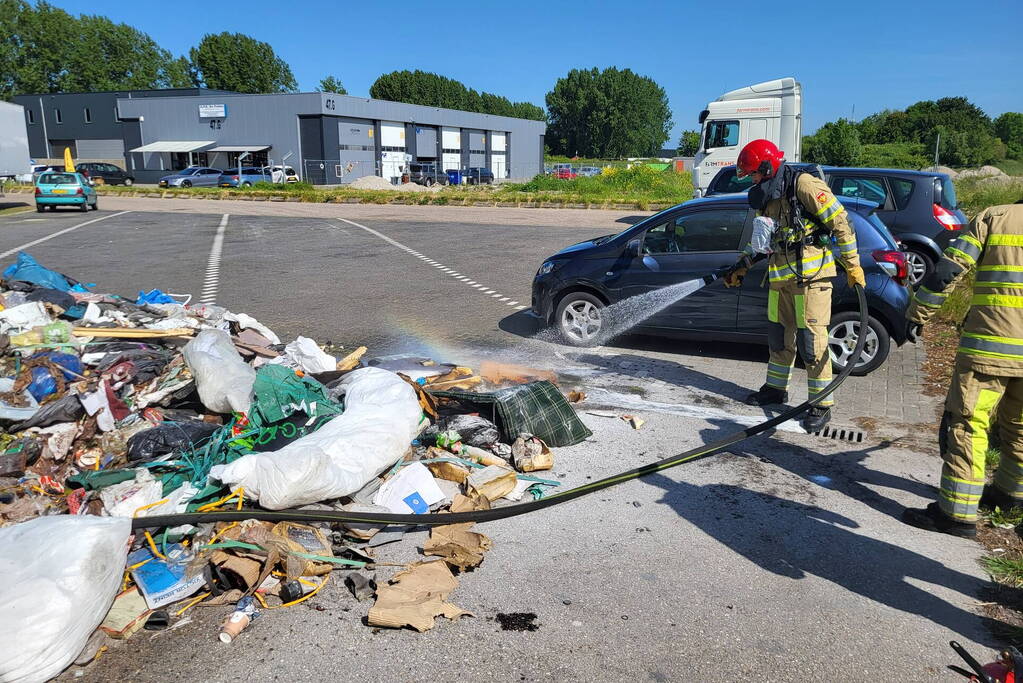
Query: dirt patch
[
  {"x": 518, "y": 621},
  {"x": 941, "y": 340},
  {"x": 1001, "y": 603}
]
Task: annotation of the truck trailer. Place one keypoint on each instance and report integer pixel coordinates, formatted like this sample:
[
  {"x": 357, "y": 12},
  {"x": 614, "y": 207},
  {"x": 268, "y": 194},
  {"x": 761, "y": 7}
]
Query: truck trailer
[{"x": 14, "y": 155}]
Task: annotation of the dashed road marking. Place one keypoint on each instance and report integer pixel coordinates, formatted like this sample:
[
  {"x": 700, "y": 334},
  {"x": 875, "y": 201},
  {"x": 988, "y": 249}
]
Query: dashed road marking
[
  {"x": 436, "y": 264},
  {"x": 59, "y": 233},
  {"x": 212, "y": 281}
]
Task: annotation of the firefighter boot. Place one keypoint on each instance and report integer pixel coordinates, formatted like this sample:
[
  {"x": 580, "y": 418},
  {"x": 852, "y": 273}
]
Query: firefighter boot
[
  {"x": 767, "y": 395},
  {"x": 994, "y": 497},
  {"x": 931, "y": 518},
  {"x": 815, "y": 419}
]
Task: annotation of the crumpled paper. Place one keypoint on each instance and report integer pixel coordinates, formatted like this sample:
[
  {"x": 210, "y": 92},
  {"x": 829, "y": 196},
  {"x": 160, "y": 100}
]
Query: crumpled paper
[{"x": 415, "y": 597}]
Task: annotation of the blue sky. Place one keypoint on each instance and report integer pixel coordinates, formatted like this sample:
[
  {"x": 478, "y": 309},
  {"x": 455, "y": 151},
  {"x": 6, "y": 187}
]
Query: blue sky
[{"x": 865, "y": 54}]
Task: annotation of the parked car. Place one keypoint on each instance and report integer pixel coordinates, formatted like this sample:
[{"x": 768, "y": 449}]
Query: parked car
[
  {"x": 193, "y": 176},
  {"x": 588, "y": 171},
  {"x": 55, "y": 189},
  {"x": 690, "y": 240},
  {"x": 479, "y": 176},
  {"x": 427, "y": 174},
  {"x": 33, "y": 173},
  {"x": 249, "y": 176},
  {"x": 111, "y": 174},
  {"x": 283, "y": 174},
  {"x": 564, "y": 172},
  {"x": 919, "y": 207}
]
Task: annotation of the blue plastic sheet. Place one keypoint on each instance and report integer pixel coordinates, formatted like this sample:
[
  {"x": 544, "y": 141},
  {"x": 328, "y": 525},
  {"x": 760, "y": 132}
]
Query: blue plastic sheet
[
  {"x": 26, "y": 269},
  {"x": 43, "y": 384},
  {"x": 154, "y": 297}
]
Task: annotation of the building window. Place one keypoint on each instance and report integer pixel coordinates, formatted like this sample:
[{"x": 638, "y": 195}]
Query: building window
[
  {"x": 452, "y": 151},
  {"x": 57, "y": 117},
  {"x": 392, "y": 149},
  {"x": 477, "y": 151},
  {"x": 31, "y": 116},
  {"x": 88, "y": 115},
  {"x": 358, "y": 148}
]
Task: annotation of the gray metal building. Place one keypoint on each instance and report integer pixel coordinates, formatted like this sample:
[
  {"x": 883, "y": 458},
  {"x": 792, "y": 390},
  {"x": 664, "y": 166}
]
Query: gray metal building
[{"x": 327, "y": 138}]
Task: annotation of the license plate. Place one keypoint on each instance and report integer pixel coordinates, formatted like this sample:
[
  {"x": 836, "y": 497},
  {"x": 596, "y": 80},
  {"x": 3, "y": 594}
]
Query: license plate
[{"x": 59, "y": 191}]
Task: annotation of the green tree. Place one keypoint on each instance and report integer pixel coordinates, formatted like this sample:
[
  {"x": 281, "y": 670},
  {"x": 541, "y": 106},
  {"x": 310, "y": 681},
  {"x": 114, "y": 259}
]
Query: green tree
[
  {"x": 434, "y": 90},
  {"x": 607, "y": 114},
  {"x": 689, "y": 143},
  {"x": 331, "y": 84},
  {"x": 836, "y": 143},
  {"x": 1009, "y": 128},
  {"x": 179, "y": 74},
  {"x": 528, "y": 110},
  {"x": 234, "y": 61}
]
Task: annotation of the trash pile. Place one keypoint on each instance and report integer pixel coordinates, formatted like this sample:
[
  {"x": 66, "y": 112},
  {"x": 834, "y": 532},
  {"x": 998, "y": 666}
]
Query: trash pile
[{"x": 114, "y": 409}]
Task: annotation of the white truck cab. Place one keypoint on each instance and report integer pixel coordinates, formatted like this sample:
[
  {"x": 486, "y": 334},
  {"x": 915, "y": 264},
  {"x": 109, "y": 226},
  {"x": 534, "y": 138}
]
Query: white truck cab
[{"x": 772, "y": 110}]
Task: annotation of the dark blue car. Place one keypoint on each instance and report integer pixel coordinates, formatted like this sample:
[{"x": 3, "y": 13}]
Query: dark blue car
[
  {"x": 919, "y": 207},
  {"x": 573, "y": 287}
]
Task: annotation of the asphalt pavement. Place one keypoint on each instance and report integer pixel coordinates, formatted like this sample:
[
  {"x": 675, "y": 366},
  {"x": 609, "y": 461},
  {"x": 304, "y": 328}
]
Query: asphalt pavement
[{"x": 782, "y": 560}]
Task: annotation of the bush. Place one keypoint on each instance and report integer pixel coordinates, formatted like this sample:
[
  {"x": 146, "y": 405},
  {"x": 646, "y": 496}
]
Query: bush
[
  {"x": 617, "y": 184},
  {"x": 908, "y": 155}
]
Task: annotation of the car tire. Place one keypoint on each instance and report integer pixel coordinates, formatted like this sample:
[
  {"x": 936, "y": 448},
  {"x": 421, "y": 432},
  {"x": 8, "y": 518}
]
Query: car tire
[
  {"x": 85, "y": 207},
  {"x": 920, "y": 265},
  {"x": 186, "y": 183},
  {"x": 95, "y": 205},
  {"x": 128, "y": 182},
  {"x": 40, "y": 208},
  {"x": 579, "y": 318},
  {"x": 246, "y": 184},
  {"x": 842, "y": 336},
  {"x": 428, "y": 182}
]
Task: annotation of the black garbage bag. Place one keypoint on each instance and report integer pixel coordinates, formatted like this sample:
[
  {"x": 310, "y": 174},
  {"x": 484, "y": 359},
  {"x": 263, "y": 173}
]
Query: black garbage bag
[
  {"x": 475, "y": 430},
  {"x": 167, "y": 438},
  {"x": 52, "y": 296},
  {"x": 65, "y": 409}
]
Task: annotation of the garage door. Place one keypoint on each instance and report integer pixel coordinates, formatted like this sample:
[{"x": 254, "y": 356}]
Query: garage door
[
  {"x": 356, "y": 152},
  {"x": 426, "y": 142},
  {"x": 477, "y": 148}
]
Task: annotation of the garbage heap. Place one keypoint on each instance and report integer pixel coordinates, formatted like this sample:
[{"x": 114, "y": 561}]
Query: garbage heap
[{"x": 114, "y": 409}]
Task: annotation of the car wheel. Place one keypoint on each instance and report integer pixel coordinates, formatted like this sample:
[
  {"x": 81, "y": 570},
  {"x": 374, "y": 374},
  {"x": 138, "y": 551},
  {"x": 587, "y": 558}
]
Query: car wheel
[
  {"x": 186, "y": 183},
  {"x": 40, "y": 208},
  {"x": 128, "y": 182},
  {"x": 246, "y": 184},
  {"x": 428, "y": 182},
  {"x": 95, "y": 205},
  {"x": 85, "y": 207},
  {"x": 843, "y": 333},
  {"x": 920, "y": 266},
  {"x": 579, "y": 317}
]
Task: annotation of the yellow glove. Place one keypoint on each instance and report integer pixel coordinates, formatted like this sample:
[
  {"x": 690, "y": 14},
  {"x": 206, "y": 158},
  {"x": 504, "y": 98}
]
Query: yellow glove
[
  {"x": 855, "y": 275},
  {"x": 734, "y": 277}
]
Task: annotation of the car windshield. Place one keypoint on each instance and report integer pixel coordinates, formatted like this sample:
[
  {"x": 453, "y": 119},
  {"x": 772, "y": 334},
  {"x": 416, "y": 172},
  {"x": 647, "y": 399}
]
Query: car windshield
[
  {"x": 728, "y": 183},
  {"x": 289, "y": 170},
  {"x": 58, "y": 179}
]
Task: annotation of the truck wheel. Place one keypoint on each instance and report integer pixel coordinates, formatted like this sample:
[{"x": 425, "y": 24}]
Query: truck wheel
[{"x": 843, "y": 331}]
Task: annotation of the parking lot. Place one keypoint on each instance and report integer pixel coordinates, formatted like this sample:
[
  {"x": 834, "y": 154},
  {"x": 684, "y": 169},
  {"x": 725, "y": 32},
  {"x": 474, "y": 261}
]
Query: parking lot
[{"x": 743, "y": 563}]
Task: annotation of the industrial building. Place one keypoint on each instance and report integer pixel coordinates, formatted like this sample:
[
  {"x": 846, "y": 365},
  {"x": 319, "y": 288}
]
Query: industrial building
[{"x": 328, "y": 138}]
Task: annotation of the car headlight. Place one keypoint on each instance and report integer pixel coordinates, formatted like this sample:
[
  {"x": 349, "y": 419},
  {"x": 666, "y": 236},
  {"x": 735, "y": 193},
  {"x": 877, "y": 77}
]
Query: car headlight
[{"x": 547, "y": 267}]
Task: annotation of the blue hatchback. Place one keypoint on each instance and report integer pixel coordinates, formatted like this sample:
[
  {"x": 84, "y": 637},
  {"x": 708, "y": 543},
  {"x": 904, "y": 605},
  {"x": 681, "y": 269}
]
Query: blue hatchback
[
  {"x": 65, "y": 189},
  {"x": 573, "y": 287}
]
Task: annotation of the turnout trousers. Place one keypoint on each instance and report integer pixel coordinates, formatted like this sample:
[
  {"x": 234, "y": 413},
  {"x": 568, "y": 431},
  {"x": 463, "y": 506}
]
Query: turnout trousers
[
  {"x": 798, "y": 318},
  {"x": 974, "y": 400}
]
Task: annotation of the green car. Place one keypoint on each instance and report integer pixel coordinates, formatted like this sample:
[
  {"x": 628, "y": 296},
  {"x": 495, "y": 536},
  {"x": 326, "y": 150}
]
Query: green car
[{"x": 65, "y": 189}]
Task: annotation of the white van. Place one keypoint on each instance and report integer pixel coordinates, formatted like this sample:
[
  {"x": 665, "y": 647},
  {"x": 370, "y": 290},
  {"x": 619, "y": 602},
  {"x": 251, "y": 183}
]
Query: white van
[{"x": 771, "y": 111}]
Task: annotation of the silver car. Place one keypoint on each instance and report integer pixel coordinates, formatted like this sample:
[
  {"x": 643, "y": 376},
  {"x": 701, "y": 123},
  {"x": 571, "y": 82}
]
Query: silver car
[{"x": 193, "y": 176}]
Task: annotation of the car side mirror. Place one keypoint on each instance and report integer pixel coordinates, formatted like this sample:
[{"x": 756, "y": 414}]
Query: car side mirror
[{"x": 632, "y": 248}]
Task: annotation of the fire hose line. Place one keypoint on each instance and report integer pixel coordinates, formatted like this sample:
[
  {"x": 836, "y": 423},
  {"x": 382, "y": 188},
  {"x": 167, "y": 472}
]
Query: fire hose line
[{"x": 436, "y": 519}]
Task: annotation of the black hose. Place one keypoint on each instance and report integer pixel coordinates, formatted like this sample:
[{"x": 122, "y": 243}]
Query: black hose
[{"x": 721, "y": 444}]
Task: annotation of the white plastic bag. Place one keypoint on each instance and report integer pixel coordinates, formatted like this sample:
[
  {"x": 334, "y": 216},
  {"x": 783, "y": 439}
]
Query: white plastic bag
[
  {"x": 380, "y": 420},
  {"x": 304, "y": 353},
  {"x": 223, "y": 379},
  {"x": 60, "y": 576},
  {"x": 246, "y": 321}
]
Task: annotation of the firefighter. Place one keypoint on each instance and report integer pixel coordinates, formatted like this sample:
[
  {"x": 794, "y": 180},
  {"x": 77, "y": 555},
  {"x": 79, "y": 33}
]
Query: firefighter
[
  {"x": 798, "y": 219},
  {"x": 987, "y": 384}
]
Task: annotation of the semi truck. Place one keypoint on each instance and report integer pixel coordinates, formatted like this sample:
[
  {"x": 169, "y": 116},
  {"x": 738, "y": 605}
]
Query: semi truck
[
  {"x": 14, "y": 156},
  {"x": 772, "y": 110}
]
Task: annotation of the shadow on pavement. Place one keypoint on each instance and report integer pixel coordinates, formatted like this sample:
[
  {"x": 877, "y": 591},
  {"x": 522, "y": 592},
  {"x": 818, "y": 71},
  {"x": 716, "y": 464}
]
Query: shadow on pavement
[{"x": 797, "y": 540}]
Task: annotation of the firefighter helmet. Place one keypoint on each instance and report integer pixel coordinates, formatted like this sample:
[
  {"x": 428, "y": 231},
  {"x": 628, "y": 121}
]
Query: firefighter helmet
[{"x": 759, "y": 156}]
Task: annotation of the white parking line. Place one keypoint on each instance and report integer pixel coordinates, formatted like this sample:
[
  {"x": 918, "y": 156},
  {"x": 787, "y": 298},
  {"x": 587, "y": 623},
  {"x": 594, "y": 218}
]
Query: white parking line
[
  {"x": 436, "y": 264},
  {"x": 59, "y": 233},
  {"x": 212, "y": 281}
]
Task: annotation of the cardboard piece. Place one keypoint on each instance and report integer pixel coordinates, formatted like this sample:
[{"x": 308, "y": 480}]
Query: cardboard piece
[
  {"x": 449, "y": 471},
  {"x": 415, "y": 597},
  {"x": 469, "y": 503},
  {"x": 352, "y": 360},
  {"x": 248, "y": 570},
  {"x": 531, "y": 454},
  {"x": 509, "y": 373},
  {"x": 458, "y": 546},
  {"x": 127, "y": 615},
  {"x": 493, "y": 482}
]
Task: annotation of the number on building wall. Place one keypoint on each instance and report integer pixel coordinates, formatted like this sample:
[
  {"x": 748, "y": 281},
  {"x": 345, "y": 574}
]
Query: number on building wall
[
  {"x": 215, "y": 124},
  {"x": 328, "y": 104}
]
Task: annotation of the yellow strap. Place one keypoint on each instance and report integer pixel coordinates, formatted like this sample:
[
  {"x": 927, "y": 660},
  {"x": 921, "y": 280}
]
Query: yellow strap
[
  {"x": 1002, "y": 300},
  {"x": 1003, "y": 240}
]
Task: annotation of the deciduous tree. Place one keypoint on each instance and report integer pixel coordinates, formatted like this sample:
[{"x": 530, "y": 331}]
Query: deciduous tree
[{"x": 235, "y": 61}]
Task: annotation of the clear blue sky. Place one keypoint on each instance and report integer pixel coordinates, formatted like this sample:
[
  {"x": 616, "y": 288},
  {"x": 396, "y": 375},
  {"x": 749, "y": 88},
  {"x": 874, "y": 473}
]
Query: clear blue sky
[{"x": 866, "y": 54}]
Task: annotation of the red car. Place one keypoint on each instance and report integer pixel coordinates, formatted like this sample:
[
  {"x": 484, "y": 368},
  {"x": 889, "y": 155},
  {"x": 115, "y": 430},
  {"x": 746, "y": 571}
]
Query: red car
[{"x": 564, "y": 172}]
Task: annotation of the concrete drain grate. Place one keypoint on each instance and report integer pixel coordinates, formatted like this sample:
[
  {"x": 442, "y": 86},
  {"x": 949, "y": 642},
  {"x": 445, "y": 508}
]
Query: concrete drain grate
[{"x": 841, "y": 434}]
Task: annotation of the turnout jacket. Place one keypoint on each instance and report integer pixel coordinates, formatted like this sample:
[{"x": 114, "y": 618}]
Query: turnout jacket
[
  {"x": 992, "y": 248},
  {"x": 818, "y": 262}
]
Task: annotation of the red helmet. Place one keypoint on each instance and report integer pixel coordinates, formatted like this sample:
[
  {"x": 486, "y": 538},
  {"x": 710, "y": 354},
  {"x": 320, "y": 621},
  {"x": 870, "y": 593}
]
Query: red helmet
[{"x": 755, "y": 155}]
